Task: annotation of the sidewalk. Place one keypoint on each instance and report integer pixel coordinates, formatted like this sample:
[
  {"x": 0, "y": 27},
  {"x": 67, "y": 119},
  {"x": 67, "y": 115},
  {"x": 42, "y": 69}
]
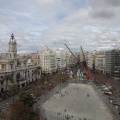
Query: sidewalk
[{"x": 106, "y": 102}]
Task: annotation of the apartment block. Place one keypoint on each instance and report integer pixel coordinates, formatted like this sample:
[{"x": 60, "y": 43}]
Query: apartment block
[
  {"x": 48, "y": 60},
  {"x": 113, "y": 61}
]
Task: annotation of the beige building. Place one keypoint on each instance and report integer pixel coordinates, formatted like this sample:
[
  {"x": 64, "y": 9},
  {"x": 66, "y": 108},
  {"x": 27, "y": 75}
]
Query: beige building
[
  {"x": 15, "y": 67},
  {"x": 35, "y": 59}
]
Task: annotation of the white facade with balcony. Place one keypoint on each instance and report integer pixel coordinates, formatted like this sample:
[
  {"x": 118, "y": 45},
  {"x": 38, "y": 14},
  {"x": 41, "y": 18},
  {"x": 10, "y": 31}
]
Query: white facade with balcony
[
  {"x": 100, "y": 61},
  {"x": 60, "y": 59},
  {"x": 90, "y": 60},
  {"x": 48, "y": 60}
]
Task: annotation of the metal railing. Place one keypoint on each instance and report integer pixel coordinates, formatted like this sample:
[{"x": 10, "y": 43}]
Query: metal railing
[{"x": 50, "y": 115}]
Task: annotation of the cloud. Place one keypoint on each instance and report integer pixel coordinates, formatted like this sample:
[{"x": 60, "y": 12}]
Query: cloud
[
  {"x": 102, "y": 3},
  {"x": 92, "y": 24},
  {"x": 103, "y": 13},
  {"x": 4, "y": 18}
]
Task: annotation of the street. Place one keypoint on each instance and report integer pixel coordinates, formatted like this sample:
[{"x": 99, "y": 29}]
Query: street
[{"x": 5, "y": 103}]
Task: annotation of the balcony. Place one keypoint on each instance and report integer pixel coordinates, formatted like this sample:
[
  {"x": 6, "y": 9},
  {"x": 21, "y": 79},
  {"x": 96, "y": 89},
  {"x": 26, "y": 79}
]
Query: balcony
[{"x": 18, "y": 68}]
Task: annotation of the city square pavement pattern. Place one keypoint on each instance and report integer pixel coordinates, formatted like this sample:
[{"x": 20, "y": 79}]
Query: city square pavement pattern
[{"x": 79, "y": 100}]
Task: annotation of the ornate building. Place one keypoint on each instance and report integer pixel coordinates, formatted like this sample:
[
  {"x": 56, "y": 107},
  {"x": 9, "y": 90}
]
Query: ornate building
[
  {"x": 14, "y": 68},
  {"x": 48, "y": 60}
]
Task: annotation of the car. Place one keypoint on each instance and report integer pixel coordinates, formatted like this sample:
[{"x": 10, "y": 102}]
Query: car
[
  {"x": 107, "y": 92},
  {"x": 32, "y": 95}
]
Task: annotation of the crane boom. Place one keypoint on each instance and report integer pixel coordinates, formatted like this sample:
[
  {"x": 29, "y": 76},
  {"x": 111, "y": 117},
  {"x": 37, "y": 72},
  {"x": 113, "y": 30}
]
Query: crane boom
[{"x": 86, "y": 72}]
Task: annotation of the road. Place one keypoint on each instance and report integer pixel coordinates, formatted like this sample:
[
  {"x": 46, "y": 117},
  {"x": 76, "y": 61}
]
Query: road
[
  {"x": 106, "y": 101},
  {"x": 5, "y": 103}
]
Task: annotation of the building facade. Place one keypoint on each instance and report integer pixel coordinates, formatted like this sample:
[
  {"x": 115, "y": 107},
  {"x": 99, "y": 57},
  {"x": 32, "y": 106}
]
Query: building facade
[
  {"x": 14, "y": 68},
  {"x": 113, "y": 61},
  {"x": 100, "y": 62},
  {"x": 48, "y": 60},
  {"x": 90, "y": 60},
  {"x": 68, "y": 59},
  {"x": 60, "y": 59}
]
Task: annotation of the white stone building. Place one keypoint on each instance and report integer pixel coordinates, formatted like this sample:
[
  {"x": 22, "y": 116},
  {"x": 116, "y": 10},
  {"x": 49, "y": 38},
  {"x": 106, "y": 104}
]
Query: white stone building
[
  {"x": 68, "y": 59},
  {"x": 60, "y": 59},
  {"x": 100, "y": 61},
  {"x": 16, "y": 67},
  {"x": 48, "y": 60},
  {"x": 73, "y": 60},
  {"x": 90, "y": 60},
  {"x": 81, "y": 56}
]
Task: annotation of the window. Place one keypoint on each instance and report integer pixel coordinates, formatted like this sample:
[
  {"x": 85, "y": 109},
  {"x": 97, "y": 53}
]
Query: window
[
  {"x": 11, "y": 65},
  {"x": 1, "y": 82}
]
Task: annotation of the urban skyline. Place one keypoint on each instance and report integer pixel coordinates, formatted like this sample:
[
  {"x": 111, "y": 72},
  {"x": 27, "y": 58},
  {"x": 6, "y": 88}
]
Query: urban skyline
[{"x": 89, "y": 23}]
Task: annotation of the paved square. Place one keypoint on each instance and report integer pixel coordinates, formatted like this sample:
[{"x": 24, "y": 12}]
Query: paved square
[{"x": 78, "y": 101}]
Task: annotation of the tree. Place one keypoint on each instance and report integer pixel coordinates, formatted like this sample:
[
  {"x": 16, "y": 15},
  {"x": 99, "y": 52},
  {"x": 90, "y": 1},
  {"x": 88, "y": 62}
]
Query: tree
[
  {"x": 27, "y": 99},
  {"x": 37, "y": 71},
  {"x": 23, "y": 108},
  {"x": 6, "y": 78},
  {"x": 13, "y": 90},
  {"x": 19, "y": 111}
]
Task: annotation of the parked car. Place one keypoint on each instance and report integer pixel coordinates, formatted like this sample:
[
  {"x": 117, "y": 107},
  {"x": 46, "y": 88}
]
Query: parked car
[
  {"x": 33, "y": 96},
  {"x": 108, "y": 93},
  {"x": 101, "y": 86}
]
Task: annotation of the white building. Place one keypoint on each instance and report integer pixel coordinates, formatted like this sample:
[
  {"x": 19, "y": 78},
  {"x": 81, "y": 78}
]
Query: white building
[
  {"x": 15, "y": 66},
  {"x": 48, "y": 60},
  {"x": 81, "y": 56},
  {"x": 35, "y": 58},
  {"x": 100, "y": 61},
  {"x": 60, "y": 59},
  {"x": 90, "y": 60},
  {"x": 68, "y": 59},
  {"x": 73, "y": 60}
]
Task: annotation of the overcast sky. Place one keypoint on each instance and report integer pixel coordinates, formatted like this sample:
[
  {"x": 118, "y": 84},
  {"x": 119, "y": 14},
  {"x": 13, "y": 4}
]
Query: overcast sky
[{"x": 93, "y": 24}]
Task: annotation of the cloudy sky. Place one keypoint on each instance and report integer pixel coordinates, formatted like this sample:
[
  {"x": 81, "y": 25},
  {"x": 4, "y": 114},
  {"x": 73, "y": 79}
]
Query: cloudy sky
[{"x": 93, "y": 24}]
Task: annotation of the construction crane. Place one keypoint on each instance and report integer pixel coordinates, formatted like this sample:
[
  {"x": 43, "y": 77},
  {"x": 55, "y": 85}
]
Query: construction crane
[
  {"x": 85, "y": 62},
  {"x": 84, "y": 69}
]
